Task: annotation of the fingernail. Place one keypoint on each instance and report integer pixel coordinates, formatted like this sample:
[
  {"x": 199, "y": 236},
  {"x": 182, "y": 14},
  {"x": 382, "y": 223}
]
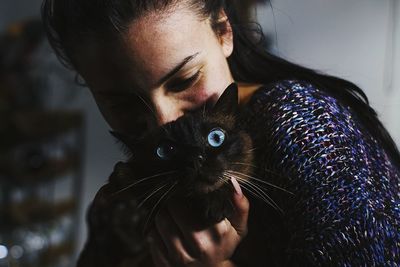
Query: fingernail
[{"x": 236, "y": 186}]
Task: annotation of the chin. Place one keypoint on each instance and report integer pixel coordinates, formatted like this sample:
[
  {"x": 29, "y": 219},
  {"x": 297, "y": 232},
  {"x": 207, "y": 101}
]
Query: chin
[{"x": 201, "y": 187}]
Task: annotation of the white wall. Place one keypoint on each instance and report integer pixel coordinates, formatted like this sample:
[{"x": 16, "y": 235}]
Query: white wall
[
  {"x": 348, "y": 38},
  {"x": 393, "y": 88}
]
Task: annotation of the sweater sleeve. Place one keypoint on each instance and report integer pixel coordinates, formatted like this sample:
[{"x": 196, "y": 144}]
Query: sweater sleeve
[{"x": 346, "y": 206}]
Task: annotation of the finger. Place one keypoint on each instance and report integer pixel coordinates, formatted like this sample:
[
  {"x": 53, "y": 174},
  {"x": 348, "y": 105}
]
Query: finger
[
  {"x": 158, "y": 250},
  {"x": 242, "y": 206},
  {"x": 195, "y": 235},
  {"x": 223, "y": 230},
  {"x": 172, "y": 238},
  {"x": 202, "y": 242}
]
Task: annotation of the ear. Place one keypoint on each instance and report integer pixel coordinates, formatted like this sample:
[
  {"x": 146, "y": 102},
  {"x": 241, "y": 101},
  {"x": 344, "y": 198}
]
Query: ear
[
  {"x": 224, "y": 33},
  {"x": 228, "y": 102}
]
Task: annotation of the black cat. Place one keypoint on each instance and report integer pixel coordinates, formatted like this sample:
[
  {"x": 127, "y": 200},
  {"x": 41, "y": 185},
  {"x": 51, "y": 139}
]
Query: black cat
[{"x": 192, "y": 158}]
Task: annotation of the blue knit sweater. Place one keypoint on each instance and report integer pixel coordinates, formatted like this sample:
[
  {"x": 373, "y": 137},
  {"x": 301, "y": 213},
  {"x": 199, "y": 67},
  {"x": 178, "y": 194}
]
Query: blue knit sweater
[{"x": 345, "y": 207}]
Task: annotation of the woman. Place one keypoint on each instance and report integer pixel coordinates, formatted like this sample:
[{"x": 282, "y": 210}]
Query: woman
[{"x": 149, "y": 62}]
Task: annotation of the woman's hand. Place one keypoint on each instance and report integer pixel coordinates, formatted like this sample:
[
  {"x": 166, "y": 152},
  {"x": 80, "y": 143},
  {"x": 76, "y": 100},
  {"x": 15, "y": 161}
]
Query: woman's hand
[{"x": 178, "y": 240}]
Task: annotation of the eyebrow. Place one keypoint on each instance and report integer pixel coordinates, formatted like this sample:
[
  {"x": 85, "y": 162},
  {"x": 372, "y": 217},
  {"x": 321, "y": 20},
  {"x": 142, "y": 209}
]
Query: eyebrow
[{"x": 177, "y": 68}]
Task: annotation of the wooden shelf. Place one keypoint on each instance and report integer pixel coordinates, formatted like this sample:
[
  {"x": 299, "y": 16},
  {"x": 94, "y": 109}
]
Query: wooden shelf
[
  {"x": 40, "y": 159},
  {"x": 38, "y": 126},
  {"x": 53, "y": 254},
  {"x": 53, "y": 169},
  {"x": 34, "y": 211}
]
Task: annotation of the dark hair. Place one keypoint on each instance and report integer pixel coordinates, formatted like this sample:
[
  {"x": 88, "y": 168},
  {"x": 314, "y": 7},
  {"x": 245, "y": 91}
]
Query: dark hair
[{"x": 69, "y": 23}]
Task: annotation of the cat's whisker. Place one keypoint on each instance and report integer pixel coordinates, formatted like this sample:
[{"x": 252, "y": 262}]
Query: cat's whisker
[
  {"x": 141, "y": 181},
  {"x": 256, "y": 194},
  {"x": 261, "y": 193},
  {"x": 224, "y": 179},
  {"x": 270, "y": 184},
  {"x": 149, "y": 107},
  {"x": 144, "y": 194},
  {"x": 151, "y": 194},
  {"x": 251, "y": 191},
  {"x": 257, "y": 167},
  {"x": 244, "y": 164},
  {"x": 253, "y": 149},
  {"x": 157, "y": 204},
  {"x": 146, "y": 104},
  {"x": 259, "y": 180}
]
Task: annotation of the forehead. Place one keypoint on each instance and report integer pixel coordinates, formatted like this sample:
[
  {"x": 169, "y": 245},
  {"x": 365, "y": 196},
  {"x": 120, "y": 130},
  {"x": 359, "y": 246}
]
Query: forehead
[
  {"x": 153, "y": 45},
  {"x": 156, "y": 44}
]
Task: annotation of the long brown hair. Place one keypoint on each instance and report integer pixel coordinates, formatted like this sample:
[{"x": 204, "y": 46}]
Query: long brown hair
[{"x": 69, "y": 23}]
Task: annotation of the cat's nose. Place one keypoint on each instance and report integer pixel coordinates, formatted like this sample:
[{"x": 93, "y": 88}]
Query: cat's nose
[
  {"x": 200, "y": 158},
  {"x": 198, "y": 161}
]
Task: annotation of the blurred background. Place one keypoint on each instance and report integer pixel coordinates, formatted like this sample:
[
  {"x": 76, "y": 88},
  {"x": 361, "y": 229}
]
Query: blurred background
[{"x": 55, "y": 149}]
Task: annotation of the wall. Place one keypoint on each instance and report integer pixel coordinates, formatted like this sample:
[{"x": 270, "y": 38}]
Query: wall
[
  {"x": 393, "y": 89},
  {"x": 352, "y": 39},
  {"x": 12, "y": 10},
  {"x": 100, "y": 152}
]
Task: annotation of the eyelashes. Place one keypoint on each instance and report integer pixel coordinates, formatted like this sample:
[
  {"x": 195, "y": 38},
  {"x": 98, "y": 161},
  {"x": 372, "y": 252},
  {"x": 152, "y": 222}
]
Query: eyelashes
[
  {"x": 181, "y": 85},
  {"x": 130, "y": 102}
]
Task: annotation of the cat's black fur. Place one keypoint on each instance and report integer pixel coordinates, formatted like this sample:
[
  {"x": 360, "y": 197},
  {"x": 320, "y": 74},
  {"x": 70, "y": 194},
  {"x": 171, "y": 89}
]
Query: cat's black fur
[{"x": 192, "y": 169}]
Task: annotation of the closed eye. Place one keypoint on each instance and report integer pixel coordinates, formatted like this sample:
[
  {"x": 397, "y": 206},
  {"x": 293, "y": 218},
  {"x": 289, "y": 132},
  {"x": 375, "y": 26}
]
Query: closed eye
[{"x": 183, "y": 84}]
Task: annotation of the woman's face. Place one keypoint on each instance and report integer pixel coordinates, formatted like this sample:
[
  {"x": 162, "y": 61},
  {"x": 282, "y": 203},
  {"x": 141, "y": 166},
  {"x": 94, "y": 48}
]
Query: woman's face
[{"x": 170, "y": 64}]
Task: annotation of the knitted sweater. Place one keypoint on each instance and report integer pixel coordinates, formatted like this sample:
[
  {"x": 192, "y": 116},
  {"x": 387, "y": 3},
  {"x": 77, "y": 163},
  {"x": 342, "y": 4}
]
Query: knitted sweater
[{"x": 345, "y": 207}]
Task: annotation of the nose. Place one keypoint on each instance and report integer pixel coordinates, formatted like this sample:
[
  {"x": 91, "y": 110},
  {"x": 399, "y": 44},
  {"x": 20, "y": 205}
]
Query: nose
[
  {"x": 198, "y": 161},
  {"x": 200, "y": 158},
  {"x": 166, "y": 109}
]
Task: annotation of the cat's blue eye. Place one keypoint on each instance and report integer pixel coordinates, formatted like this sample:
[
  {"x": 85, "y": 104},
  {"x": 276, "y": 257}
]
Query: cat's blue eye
[
  {"x": 216, "y": 137},
  {"x": 165, "y": 151}
]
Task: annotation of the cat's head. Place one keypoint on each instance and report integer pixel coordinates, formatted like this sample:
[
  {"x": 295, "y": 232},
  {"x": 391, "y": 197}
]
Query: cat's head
[{"x": 198, "y": 151}]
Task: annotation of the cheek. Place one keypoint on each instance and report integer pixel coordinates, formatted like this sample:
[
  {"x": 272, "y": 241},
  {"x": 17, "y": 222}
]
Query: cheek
[
  {"x": 127, "y": 121},
  {"x": 218, "y": 80},
  {"x": 197, "y": 97},
  {"x": 200, "y": 96},
  {"x": 212, "y": 88}
]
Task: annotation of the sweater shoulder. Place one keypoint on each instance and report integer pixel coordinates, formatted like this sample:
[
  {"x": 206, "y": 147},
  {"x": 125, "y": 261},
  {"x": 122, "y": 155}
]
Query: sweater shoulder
[
  {"x": 295, "y": 95},
  {"x": 303, "y": 124},
  {"x": 289, "y": 106}
]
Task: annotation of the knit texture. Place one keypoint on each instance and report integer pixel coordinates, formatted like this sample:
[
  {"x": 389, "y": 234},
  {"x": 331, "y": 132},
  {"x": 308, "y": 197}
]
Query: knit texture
[{"x": 345, "y": 207}]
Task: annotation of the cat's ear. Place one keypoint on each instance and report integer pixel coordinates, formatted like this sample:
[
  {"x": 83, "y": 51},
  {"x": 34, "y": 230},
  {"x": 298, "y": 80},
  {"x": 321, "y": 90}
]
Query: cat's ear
[
  {"x": 125, "y": 141},
  {"x": 124, "y": 138},
  {"x": 228, "y": 102}
]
